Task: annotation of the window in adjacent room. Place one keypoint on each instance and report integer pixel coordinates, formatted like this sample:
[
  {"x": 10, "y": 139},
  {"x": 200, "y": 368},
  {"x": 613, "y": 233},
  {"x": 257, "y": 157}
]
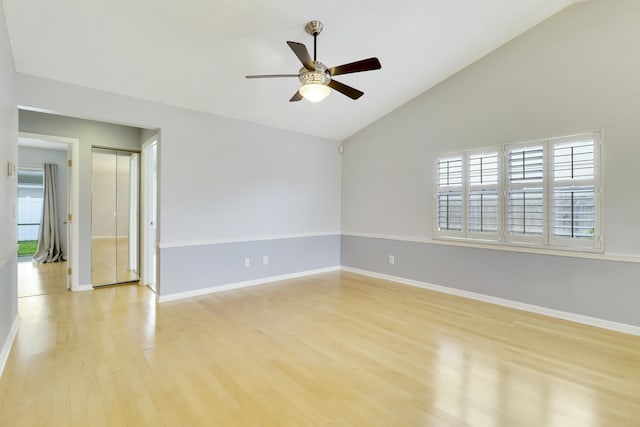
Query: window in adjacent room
[{"x": 30, "y": 196}]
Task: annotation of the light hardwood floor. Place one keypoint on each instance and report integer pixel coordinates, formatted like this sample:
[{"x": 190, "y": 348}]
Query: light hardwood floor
[
  {"x": 335, "y": 349},
  {"x": 41, "y": 279}
]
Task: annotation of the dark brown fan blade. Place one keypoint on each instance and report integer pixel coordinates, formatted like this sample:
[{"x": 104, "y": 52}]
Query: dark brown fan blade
[
  {"x": 268, "y": 76},
  {"x": 296, "y": 97},
  {"x": 303, "y": 55},
  {"x": 356, "y": 67},
  {"x": 351, "y": 92}
]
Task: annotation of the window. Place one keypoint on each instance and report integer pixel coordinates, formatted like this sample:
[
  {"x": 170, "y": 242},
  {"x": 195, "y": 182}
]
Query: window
[
  {"x": 541, "y": 193},
  {"x": 573, "y": 202},
  {"x": 525, "y": 193},
  {"x": 482, "y": 199},
  {"x": 30, "y": 194}
]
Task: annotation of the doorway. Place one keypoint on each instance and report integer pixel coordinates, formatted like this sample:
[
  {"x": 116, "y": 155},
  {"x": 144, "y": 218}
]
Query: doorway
[
  {"x": 150, "y": 211},
  {"x": 114, "y": 216},
  {"x": 34, "y": 150}
]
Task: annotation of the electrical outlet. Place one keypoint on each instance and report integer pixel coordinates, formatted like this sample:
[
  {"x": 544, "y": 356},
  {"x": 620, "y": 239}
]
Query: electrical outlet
[
  {"x": 392, "y": 259},
  {"x": 265, "y": 260},
  {"x": 247, "y": 262}
]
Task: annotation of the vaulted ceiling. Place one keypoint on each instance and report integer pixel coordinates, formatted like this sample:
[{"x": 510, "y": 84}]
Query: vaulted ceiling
[{"x": 195, "y": 53}]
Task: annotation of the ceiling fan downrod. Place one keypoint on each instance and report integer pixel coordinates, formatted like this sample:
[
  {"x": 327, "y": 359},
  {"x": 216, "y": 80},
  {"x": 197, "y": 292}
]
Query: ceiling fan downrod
[{"x": 314, "y": 28}]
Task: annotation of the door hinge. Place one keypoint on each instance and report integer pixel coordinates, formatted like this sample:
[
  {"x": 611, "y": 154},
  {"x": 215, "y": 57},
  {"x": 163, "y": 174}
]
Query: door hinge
[
  {"x": 69, "y": 163},
  {"x": 69, "y": 271},
  {"x": 69, "y": 217}
]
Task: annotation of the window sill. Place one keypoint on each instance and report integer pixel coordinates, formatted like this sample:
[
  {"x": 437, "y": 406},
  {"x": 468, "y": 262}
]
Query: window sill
[{"x": 503, "y": 246}]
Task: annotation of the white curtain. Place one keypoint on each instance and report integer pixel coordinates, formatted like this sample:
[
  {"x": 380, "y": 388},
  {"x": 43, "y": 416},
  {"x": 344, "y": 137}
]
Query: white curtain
[{"x": 49, "y": 245}]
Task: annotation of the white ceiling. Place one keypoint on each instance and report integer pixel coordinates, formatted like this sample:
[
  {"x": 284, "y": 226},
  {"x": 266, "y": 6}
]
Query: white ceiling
[{"x": 195, "y": 53}]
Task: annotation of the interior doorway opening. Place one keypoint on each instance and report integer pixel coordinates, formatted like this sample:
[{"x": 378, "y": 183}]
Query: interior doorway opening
[
  {"x": 34, "y": 151},
  {"x": 85, "y": 135},
  {"x": 150, "y": 212}
]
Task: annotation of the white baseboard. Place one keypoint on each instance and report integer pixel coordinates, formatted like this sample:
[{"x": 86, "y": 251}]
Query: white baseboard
[
  {"x": 6, "y": 348},
  {"x": 238, "y": 285},
  {"x": 82, "y": 288},
  {"x": 578, "y": 318}
]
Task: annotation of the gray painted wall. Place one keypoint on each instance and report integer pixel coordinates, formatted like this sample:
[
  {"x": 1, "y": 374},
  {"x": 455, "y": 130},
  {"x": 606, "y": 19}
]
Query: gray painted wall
[
  {"x": 575, "y": 72},
  {"x": 89, "y": 133},
  {"x": 197, "y": 267},
  {"x": 603, "y": 289},
  {"x": 221, "y": 179},
  {"x": 8, "y": 153},
  {"x": 32, "y": 156}
]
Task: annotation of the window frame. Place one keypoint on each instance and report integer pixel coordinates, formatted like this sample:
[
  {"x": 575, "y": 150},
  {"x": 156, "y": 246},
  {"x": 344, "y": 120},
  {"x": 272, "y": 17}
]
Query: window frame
[
  {"x": 547, "y": 240},
  {"x": 542, "y": 239},
  {"x": 596, "y": 181}
]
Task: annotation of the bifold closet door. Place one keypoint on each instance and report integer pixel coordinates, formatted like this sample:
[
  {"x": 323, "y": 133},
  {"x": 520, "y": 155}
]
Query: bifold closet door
[{"x": 114, "y": 215}]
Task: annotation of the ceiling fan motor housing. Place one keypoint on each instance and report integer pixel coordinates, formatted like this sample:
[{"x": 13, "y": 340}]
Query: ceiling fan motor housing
[{"x": 320, "y": 76}]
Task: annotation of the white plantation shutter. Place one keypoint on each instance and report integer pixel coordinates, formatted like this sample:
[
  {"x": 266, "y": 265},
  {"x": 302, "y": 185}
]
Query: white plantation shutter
[
  {"x": 574, "y": 208},
  {"x": 483, "y": 203},
  {"x": 449, "y": 201},
  {"x": 526, "y": 193},
  {"x": 450, "y": 210},
  {"x": 543, "y": 193}
]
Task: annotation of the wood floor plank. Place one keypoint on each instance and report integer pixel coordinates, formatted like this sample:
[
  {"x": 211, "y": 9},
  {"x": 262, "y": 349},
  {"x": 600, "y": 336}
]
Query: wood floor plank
[{"x": 336, "y": 349}]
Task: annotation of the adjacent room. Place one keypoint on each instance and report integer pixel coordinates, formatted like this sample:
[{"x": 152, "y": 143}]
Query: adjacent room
[
  {"x": 247, "y": 213},
  {"x": 42, "y": 262}
]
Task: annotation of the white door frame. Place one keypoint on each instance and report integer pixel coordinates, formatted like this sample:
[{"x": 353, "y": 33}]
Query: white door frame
[
  {"x": 134, "y": 212},
  {"x": 73, "y": 228},
  {"x": 146, "y": 270}
]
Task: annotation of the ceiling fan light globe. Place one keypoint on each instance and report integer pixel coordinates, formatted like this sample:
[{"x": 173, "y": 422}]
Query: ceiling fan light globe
[{"x": 314, "y": 92}]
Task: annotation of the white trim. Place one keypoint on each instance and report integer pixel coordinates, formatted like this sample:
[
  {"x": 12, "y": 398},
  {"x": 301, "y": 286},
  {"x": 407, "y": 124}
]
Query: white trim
[
  {"x": 83, "y": 288},
  {"x": 149, "y": 247},
  {"x": 578, "y": 318},
  {"x": 238, "y": 285},
  {"x": 8, "y": 343},
  {"x": 165, "y": 245},
  {"x": 502, "y": 247}
]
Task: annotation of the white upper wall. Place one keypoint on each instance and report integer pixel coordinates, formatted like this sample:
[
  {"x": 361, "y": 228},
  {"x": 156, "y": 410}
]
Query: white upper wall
[
  {"x": 8, "y": 142},
  {"x": 220, "y": 179},
  {"x": 575, "y": 72},
  {"x": 8, "y": 185}
]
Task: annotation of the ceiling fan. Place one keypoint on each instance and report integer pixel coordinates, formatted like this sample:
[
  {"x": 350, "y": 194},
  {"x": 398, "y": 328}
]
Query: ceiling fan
[{"x": 315, "y": 77}]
